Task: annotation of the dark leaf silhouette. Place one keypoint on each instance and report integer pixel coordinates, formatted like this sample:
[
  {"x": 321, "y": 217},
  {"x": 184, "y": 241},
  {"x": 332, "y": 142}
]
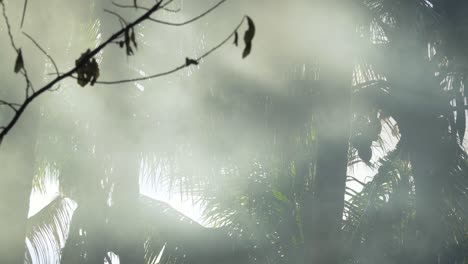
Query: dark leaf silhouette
[
  {"x": 189, "y": 62},
  {"x": 132, "y": 38},
  {"x": 88, "y": 71},
  {"x": 248, "y": 37},
  {"x": 127, "y": 43},
  {"x": 19, "y": 64},
  {"x": 365, "y": 154},
  {"x": 362, "y": 143},
  {"x": 236, "y": 39}
]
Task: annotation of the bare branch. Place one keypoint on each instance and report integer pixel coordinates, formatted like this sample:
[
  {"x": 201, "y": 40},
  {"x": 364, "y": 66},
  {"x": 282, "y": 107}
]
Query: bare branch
[
  {"x": 13, "y": 106},
  {"x": 7, "y": 22},
  {"x": 24, "y": 72},
  {"x": 178, "y": 24},
  {"x": 20, "y": 110},
  {"x": 121, "y": 19},
  {"x": 177, "y": 10},
  {"x": 24, "y": 12},
  {"x": 180, "y": 67},
  {"x": 86, "y": 57},
  {"x": 43, "y": 51},
  {"x": 29, "y": 85}
]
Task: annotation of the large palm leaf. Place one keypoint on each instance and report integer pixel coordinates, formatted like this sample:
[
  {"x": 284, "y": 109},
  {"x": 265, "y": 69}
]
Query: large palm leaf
[{"x": 47, "y": 231}]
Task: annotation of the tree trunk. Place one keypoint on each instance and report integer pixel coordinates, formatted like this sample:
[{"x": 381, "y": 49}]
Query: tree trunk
[
  {"x": 326, "y": 210},
  {"x": 128, "y": 229},
  {"x": 430, "y": 161},
  {"x": 324, "y": 205}
]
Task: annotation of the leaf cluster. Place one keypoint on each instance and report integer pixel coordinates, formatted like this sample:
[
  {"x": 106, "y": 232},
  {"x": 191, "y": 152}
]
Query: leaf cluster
[{"x": 88, "y": 69}]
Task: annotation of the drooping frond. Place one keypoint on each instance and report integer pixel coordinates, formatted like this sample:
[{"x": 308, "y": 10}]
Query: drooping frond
[
  {"x": 47, "y": 230},
  {"x": 380, "y": 219},
  {"x": 174, "y": 238}
]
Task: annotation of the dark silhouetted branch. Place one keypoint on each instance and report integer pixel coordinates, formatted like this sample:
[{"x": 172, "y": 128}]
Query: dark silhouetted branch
[
  {"x": 24, "y": 72},
  {"x": 43, "y": 51},
  {"x": 24, "y": 12},
  {"x": 175, "y": 23},
  {"x": 30, "y": 98},
  {"x": 146, "y": 8},
  {"x": 85, "y": 59},
  {"x": 7, "y": 22},
  {"x": 190, "y": 20},
  {"x": 121, "y": 19},
  {"x": 13, "y": 106},
  {"x": 180, "y": 67}
]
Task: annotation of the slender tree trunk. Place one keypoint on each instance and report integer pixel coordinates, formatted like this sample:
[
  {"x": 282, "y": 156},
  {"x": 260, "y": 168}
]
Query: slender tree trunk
[
  {"x": 17, "y": 169},
  {"x": 428, "y": 157},
  {"x": 128, "y": 229},
  {"x": 88, "y": 239},
  {"x": 326, "y": 210},
  {"x": 325, "y": 204}
]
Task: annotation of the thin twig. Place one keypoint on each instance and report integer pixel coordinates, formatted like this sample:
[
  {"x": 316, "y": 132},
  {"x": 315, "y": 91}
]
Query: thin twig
[
  {"x": 7, "y": 22},
  {"x": 177, "y": 24},
  {"x": 180, "y": 67},
  {"x": 29, "y": 85},
  {"x": 146, "y": 8},
  {"x": 146, "y": 16},
  {"x": 172, "y": 10},
  {"x": 129, "y": 6},
  {"x": 13, "y": 106},
  {"x": 224, "y": 41},
  {"x": 173, "y": 23},
  {"x": 43, "y": 51},
  {"x": 69, "y": 73},
  {"x": 122, "y": 20},
  {"x": 24, "y": 12}
]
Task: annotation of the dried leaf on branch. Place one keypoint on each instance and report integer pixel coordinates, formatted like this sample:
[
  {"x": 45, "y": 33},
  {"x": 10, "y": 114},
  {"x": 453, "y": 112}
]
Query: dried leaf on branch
[
  {"x": 88, "y": 72},
  {"x": 248, "y": 37},
  {"x": 19, "y": 64}
]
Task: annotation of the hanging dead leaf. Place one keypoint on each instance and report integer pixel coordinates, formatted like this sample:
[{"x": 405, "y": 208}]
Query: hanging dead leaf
[
  {"x": 248, "y": 37},
  {"x": 236, "y": 38},
  {"x": 132, "y": 38},
  {"x": 19, "y": 63},
  {"x": 94, "y": 70},
  {"x": 127, "y": 43}
]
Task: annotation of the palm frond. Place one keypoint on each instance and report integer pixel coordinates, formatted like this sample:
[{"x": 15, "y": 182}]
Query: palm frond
[
  {"x": 47, "y": 230},
  {"x": 174, "y": 238}
]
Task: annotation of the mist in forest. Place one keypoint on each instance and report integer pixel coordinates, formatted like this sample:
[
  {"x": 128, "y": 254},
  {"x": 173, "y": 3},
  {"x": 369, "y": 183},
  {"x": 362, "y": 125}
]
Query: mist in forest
[{"x": 339, "y": 139}]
